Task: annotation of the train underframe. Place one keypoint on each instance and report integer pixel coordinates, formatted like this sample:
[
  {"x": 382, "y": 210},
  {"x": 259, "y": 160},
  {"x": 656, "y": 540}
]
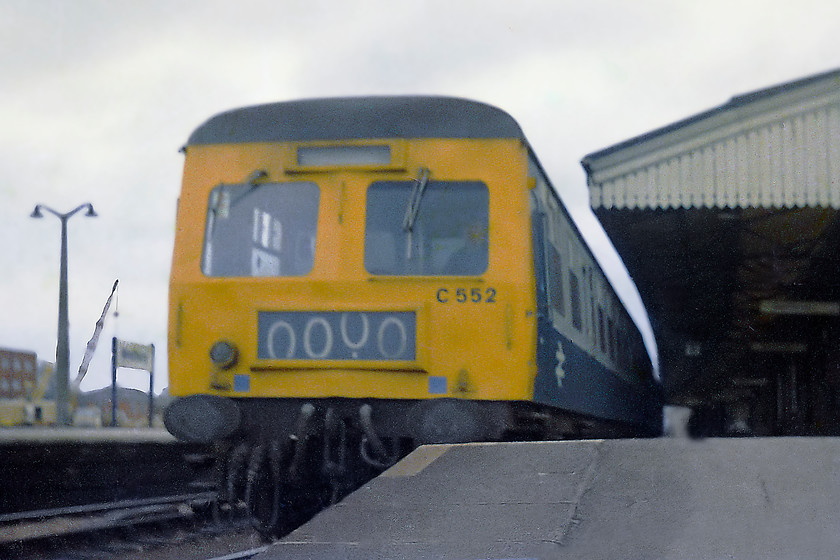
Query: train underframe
[{"x": 286, "y": 459}]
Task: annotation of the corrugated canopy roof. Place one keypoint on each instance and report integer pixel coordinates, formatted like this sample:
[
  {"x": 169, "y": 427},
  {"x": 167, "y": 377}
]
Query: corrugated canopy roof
[{"x": 778, "y": 147}]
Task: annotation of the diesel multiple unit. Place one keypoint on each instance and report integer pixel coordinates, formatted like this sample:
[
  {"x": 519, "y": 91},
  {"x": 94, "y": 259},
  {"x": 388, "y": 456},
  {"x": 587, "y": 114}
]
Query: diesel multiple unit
[{"x": 370, "y": 274}]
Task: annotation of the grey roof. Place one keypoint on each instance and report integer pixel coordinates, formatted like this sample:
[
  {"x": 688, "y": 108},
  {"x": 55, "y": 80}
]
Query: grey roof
[
  {"x": 830, "y": 79},
  {"x": 773, "y": 148},
  {"x": 345, "y": 118}
]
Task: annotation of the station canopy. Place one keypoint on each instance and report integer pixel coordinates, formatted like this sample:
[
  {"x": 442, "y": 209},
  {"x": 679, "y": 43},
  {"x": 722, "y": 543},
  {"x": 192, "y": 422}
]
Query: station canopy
[{"x": 728, "y": 224}]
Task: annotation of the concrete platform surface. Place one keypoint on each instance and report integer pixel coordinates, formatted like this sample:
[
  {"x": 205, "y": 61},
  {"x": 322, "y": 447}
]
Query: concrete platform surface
[
  {"x": 54, "y": 435},
  {"x": 624, "y": 499}
]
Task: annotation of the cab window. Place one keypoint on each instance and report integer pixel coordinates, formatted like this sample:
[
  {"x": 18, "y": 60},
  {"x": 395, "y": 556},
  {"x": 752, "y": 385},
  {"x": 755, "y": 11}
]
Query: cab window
[
  {"x": 266, "y": 229},
  {"x": 434, "y": 228}
]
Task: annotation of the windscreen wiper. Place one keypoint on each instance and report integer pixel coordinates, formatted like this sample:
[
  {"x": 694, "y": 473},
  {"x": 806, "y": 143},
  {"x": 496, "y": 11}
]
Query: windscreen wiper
[
  {"x": 253, "y": 181},
  {"x": 413, "y": 207},
  {"x": 222, "y": 202}
]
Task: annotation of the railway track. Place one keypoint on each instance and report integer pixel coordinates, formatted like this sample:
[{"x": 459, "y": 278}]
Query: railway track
[
  {"x": 182, "y": 527},
  {"x": 106, "y": 495},
  {"x": 244, "y": 555},
  {"x": 61, "y": 487},
  {"x": 58, "y": 522}
]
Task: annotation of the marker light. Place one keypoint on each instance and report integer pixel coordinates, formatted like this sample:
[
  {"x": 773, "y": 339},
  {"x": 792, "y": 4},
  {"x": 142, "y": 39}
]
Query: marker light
[{"x": 224, "y": 354}]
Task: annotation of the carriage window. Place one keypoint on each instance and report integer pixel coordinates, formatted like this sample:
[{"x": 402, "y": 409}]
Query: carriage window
[
  {"x": 602, "y": 337},
  {"x": 555, "y": 281},
  {"x": 574, "y": 296},
  {"x": 266, "y": 229},
  {"x": 433, "y": 228}
]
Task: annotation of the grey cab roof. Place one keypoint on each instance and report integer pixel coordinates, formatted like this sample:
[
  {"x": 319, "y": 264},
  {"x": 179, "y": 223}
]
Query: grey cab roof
[{"x": 344, "y": 118}]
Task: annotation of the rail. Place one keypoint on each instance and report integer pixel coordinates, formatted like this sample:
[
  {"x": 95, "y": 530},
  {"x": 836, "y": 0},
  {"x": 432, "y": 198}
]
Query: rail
[
  {"x": 243, "y": 555},
  {"x": 48, "y": 523}
]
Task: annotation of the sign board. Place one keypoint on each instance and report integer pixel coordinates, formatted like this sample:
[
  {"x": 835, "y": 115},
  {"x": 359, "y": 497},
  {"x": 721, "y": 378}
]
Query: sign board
[
  {"x": 791, "y": 307},
  {"x": 779, "y": 347},
  {"x": 135, "y": 356}
]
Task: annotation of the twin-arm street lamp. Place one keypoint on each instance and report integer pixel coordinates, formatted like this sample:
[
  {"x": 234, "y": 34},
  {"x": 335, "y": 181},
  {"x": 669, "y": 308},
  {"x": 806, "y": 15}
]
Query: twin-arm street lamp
[{"x": 62, "y": 351}]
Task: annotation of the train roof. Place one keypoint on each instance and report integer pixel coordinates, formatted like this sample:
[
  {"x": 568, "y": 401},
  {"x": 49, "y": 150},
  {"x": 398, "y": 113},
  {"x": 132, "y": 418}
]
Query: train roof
[{"x": 345, "y": 118}]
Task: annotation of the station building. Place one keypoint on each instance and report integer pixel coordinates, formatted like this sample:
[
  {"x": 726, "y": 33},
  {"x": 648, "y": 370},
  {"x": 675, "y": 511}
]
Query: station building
[{"x": 728, "y": 224}]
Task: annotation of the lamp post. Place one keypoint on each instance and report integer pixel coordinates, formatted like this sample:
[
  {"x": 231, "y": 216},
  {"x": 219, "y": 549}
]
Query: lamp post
[{"x": 62, "y": 351}]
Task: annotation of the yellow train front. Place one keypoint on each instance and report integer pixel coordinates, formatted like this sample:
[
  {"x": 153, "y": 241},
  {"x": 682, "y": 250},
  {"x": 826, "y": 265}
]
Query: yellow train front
[{"x": 374, "y": 270}]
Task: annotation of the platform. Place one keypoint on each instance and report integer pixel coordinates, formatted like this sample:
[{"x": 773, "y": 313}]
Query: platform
[
  {"x": 58, "y": 435},
  {"x": 53, "y": 468},
  {"x": 659, "y": 498}
]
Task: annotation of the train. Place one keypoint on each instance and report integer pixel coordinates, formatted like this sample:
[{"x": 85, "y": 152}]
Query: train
[{"x": 354, "y": 277}]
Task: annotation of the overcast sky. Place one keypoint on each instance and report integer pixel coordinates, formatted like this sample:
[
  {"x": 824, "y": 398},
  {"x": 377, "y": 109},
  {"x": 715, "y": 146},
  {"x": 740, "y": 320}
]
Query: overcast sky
[{"x": 98, "y": 96}]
